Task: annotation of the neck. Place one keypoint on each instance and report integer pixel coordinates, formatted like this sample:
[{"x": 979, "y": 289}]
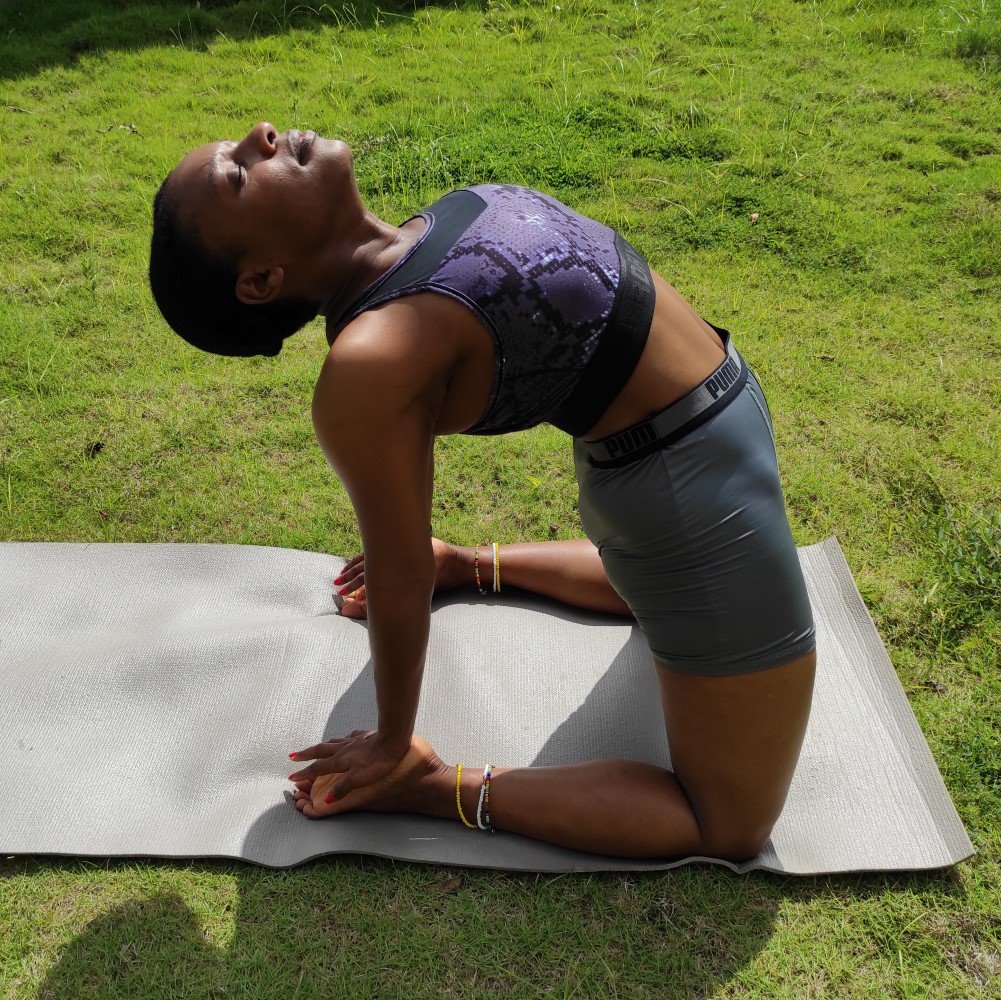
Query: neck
[{"x": 365, "y": 255}]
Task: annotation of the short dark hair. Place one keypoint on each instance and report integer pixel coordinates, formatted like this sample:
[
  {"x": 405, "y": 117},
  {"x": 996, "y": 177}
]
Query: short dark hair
[{"x": 196, "y": 292}]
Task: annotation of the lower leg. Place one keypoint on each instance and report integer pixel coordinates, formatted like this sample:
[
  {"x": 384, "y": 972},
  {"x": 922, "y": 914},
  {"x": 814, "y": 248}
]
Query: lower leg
[
  {"x": 568, "y": 571},
  {"x": 617, "y": 807}
]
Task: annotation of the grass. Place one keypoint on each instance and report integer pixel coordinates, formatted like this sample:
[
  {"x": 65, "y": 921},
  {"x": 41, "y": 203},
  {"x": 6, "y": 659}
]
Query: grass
[{"x": 820, "y": 178}]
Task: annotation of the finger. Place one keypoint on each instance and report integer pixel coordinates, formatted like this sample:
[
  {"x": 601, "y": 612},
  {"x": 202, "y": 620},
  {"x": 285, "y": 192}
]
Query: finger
[
  {"x": 312, "y": 771},
  {"x": 350, "y": 573},
  {"x": 325, "y": 765},
  {"x": 327, "y": 762},
  {"x": 352, "y": 562},
  {"x": 317, "y": 751},
  {"x": 348, "y": 567},
  {"x": 307, "y": 774},
  {"x": 321, "y": 751}
]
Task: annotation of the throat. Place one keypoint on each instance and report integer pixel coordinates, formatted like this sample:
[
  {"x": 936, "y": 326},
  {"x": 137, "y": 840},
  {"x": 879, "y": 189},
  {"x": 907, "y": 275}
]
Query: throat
[{"x": 371, "y": 264}]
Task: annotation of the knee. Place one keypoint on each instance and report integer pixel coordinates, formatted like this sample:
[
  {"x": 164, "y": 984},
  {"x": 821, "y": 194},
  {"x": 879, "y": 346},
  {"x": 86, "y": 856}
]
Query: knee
[{"x": 736, "y": 844}]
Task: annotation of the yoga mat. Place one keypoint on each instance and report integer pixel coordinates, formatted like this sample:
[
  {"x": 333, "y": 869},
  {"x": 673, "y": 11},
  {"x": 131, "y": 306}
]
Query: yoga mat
[{"x": 152, "y": 692}]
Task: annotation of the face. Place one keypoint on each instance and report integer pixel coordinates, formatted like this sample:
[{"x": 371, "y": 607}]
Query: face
[{"x": 273, "y": 201}]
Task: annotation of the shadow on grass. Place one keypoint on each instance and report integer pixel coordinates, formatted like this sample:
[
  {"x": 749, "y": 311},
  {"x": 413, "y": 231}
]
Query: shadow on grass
[
  {"x": 362, "y": 926},
  {"x": 34, "y": 36},
  {"x": 304, "y": 932},
  {"x": 149, "y": 947},
  {"x": 345, "y": 925}
]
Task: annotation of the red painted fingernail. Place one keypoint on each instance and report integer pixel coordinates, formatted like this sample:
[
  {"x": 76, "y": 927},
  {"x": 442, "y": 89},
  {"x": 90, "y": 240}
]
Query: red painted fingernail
[
  {"x": 330, "y": 798},
  {"x": 292, "y": 777},
  {"x": 338, "y": 580},
  {"x": 342, "y": 591}
]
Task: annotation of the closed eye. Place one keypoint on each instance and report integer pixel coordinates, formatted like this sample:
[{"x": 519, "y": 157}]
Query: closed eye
[{"x": 240, "y": 177}]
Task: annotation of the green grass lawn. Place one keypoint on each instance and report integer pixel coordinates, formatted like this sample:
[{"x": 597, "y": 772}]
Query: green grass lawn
[{"x": 823, "y": 179}]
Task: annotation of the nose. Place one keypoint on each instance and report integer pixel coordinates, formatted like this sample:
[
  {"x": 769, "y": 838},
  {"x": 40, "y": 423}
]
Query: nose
[{"x": 261, "y": 142}]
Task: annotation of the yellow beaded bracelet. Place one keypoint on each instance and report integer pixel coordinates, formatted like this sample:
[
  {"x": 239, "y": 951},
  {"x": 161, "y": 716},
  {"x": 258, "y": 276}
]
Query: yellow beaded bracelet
[
  {"x": 496, "y": 549},
  {"x": 458, "y": 800}
]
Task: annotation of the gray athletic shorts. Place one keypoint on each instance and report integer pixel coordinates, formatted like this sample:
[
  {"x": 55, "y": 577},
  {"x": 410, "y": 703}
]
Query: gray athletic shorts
[{"x": 693, "y": 533}]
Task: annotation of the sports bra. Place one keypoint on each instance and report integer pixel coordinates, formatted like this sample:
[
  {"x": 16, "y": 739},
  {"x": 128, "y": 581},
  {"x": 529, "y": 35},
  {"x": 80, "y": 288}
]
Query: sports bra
[{"x": 568, "y": 301}]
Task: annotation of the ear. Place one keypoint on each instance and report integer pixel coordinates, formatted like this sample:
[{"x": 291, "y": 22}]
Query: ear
[{"x": 254, "y": 288}]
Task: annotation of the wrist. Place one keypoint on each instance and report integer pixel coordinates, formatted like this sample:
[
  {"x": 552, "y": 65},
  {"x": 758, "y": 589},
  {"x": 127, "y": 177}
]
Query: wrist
[{"x": 393, "y": 741}]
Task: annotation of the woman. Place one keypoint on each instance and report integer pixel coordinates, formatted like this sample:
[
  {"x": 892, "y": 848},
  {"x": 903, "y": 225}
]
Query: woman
[{"x": 495, "y": 309}]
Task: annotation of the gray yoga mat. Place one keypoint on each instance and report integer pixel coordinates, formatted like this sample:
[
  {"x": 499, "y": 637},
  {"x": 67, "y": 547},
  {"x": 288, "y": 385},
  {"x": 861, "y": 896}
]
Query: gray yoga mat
[{"x": 152, "y": 693}]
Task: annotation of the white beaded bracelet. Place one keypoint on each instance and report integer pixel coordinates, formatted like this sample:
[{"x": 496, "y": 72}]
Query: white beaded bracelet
[{"x": 479, "y": 806}]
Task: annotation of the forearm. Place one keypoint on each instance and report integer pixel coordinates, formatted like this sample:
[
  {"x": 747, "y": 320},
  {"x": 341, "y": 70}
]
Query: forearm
[{"x": 399, "y": 620}]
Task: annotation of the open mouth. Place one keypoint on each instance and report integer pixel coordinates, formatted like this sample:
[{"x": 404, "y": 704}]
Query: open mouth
[{"x": 301, "y": 145}]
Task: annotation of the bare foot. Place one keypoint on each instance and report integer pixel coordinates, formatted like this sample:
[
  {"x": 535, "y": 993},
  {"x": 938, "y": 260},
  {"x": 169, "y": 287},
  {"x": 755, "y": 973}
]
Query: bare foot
[
  {"x": 400, "y": 791},
  {"x": 450, "y": 572}
]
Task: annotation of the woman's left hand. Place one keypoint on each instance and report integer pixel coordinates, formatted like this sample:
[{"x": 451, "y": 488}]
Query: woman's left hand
[{"x": 361, "y": 758}]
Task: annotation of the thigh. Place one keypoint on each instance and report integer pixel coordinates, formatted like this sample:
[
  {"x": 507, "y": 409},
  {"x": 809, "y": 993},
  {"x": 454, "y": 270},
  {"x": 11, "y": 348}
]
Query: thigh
[
  {"x": 734, "y": 745},
  {"x": 695, "y": 539}
]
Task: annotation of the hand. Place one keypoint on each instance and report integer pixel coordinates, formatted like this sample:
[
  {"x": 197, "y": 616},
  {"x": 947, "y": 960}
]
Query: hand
[
  {"x": 361, "y": 758},
  {"x": 353, "y": 604},
  {"x": 413, "y": 783},
  {"x": 350, "y": 585},
  {"x": 351, "y": 581}
]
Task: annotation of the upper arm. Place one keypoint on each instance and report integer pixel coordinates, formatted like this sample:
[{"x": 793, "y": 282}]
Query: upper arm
[{"x": 374, "y": 415}]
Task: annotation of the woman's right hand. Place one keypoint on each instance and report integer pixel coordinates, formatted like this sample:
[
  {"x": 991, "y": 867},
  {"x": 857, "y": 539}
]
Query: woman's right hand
[{"x": 351, "y": 582}]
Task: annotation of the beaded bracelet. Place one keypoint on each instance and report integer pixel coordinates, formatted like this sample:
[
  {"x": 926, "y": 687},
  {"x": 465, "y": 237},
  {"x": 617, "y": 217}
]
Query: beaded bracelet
[
  {"x": 496, "y": 549},
  {"x": 483, "y": 807},
  {"x": 486, "y": 803},
  {"x": 458, "y": 800},
  {"x": 476, "y": 570}
]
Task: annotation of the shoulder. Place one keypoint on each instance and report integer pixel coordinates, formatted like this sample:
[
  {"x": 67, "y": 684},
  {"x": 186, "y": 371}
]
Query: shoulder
[{"x": 386, "y": 360}]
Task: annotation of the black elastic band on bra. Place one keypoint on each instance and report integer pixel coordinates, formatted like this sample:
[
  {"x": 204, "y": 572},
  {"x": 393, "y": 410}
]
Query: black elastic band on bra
[{"x": 619, "y": 349}]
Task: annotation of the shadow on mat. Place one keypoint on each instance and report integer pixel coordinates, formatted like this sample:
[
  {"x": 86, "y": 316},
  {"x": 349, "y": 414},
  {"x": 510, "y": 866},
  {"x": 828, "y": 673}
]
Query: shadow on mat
[
  {"x": 34, "y": 36},
  {"x": 515, "y": 596},
  {"x": 620, "y": 716}
]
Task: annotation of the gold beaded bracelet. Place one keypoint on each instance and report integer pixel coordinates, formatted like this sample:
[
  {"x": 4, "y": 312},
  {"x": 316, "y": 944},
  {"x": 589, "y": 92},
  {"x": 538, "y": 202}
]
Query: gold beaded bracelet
[{"x": 496, "y": 549}]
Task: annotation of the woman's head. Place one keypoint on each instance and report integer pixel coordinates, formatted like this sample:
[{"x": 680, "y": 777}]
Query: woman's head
[{"x": 241, "y": 233}]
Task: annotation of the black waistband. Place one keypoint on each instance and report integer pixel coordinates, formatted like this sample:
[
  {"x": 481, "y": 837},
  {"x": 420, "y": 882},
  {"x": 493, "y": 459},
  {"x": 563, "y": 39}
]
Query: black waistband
[
  {"x": 619, "y": 349},
  {"x": 713, "y": 394}
]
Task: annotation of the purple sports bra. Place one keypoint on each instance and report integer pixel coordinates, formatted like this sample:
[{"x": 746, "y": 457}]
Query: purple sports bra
[{"x": 568, "y": 301}]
